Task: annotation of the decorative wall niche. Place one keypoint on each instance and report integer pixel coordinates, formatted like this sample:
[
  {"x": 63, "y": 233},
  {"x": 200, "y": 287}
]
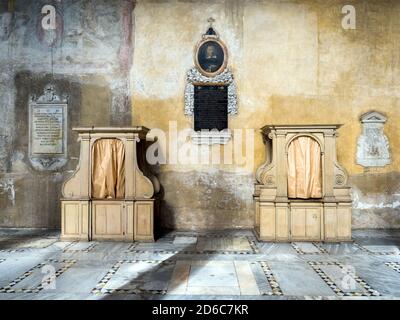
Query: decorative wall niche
[{"x": 372, "y": 144}]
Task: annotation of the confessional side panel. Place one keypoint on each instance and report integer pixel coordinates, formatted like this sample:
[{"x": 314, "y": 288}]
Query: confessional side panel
[
  {"x": 344, "y": 222},
  {"x": 74, "y": 220},
  {"x": 130, "y": 208},
  {"x": 267, "y": 222},
  {"x": 282, "y": 222},
  {"x": 330, "y": 223},
  {"x": 143, "y": 220}
]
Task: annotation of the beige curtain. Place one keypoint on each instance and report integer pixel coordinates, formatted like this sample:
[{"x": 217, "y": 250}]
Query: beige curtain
[
  {"x": 304, "y": 169},
  {"x": 108, "y": 169}
]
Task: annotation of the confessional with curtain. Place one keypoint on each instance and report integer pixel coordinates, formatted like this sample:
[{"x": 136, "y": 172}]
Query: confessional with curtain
[
  {"x": 301, "y": 193},
  {"x": 112, "y": 194}
]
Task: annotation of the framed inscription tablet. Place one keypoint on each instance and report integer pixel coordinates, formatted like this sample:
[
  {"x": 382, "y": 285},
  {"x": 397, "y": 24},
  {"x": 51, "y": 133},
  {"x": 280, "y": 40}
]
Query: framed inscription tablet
[
  {"x": 48, "y": 131},
  {"x": 210, "y": 108},
  {"x": 210, "y": 91}
]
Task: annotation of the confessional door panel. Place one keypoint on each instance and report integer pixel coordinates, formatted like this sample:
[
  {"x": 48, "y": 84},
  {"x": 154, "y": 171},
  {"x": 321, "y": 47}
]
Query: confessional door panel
[
  {"x": 306, "y": 223},
  {"x": 313, "y": 224},
  {"x": 108, "y": 220}
]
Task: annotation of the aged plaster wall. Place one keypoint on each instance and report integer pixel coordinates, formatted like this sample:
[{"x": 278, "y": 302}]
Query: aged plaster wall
[
  {"x": 293, "y": 63},
  {"x": 90, "y": 61}
]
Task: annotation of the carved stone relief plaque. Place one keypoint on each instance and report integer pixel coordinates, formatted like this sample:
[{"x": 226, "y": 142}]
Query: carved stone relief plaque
[
  {"x": 48, "y": 130},
  {"x": 372, "y": 144}
]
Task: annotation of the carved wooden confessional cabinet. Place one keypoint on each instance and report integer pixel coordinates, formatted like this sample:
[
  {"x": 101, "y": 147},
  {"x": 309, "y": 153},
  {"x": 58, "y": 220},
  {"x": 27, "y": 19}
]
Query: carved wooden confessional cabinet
[
  {"x": 301, "y": 192},
  {"x": 111, "y": 194}
]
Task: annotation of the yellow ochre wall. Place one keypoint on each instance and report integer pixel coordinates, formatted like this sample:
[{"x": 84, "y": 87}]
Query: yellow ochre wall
[{"x": 293, "y": 64}]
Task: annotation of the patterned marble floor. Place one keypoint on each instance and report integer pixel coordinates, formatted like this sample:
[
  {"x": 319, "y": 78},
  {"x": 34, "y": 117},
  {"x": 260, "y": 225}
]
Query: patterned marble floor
[{"x": 231, "y": 264}]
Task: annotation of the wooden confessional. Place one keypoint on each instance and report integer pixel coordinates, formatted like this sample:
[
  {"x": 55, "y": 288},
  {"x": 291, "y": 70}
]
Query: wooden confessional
[
  {"x": 111, "y": 195},
  {"x": 301, "y": 192}
]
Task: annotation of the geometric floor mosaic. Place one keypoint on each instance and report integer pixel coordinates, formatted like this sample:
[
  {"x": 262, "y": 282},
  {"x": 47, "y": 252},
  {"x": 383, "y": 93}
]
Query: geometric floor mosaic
[
  {"x": 201, "y": 245},
  {"x": 192, "y": 265},
  {"x": 34, "y": 280},
  {"x": 342, "y": 279},
  {"x": 394, "y": 265},
  {"x": 308, "y": 248},
  {"x": 80, "y": 247},
  {"x": 189, "y": 277},
  {"x": 379, "y": 250}
]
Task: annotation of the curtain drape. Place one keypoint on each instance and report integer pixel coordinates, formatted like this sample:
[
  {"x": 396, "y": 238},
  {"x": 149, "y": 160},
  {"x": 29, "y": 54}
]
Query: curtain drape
[
  {"x": 108, "y": 169},
  {"x": 304, "y": 169}
]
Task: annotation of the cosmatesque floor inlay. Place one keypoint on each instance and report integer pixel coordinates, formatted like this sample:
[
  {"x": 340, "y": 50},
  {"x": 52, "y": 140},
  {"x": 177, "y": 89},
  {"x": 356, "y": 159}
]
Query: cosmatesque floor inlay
[
  {"x": 128, "y": 282},
  {"x": 346, "y": 283},
  {"x": 37, "y": 287},
  {"x": 232, "y": 245},
  {"x": 80, "y": 247},
  {"x": 232, "y": 264},
  {"x": 394, "y": 265},
  {"x": 378, "y": 252},
  {"x": 308, "y": 248},
  {"x": 276, "y": 290}
]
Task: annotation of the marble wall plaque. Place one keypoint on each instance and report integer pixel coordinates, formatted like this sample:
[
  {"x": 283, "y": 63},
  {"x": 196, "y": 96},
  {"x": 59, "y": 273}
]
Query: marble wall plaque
[
  {"x": 210, "y": 108},
  {"x": 48, "y": 130},
  {"x": 372, "y": 144}
]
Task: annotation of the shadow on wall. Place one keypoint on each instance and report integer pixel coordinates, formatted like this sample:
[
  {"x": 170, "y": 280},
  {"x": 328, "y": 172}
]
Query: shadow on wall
[{"x": 37, "y": 193}]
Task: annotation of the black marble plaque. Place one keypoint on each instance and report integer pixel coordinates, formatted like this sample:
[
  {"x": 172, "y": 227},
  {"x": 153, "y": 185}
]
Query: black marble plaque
[{"x": 210, "y": 107}]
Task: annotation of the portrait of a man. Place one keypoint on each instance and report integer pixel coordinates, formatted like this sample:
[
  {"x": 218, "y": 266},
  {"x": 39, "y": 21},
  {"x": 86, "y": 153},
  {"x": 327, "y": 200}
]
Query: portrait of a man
[{"x": 210, "y": 56}]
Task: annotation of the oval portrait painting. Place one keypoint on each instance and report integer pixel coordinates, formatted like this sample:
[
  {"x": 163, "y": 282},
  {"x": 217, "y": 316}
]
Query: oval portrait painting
[{"x": 211, "y": 57}]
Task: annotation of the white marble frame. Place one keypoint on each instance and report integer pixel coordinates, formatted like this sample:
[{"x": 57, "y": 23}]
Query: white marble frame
[
  {"x": 374, "y": 121},
  {"x": 49, "y": 161},
  {"x": 194, "y": 77}
]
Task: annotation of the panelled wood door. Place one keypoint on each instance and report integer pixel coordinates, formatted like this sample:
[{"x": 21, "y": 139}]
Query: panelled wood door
[
  {"x": 109, "y": 220},
  {"x": 306, "y": 222}
]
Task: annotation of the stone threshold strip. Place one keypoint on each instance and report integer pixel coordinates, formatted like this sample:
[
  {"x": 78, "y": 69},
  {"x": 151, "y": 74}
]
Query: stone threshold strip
[
  {"x": 276, "y": 289},
  {"x": 9, "y": 288},
  {"x": 377, "y": 253},
  {"x": 394, "y": 265},
  {"x": 252, "y": 243},
  {"x": 320, "y": 249},
  {"x": 89, "y": 248},
  {"x": 99, "y": 289},
  {"x": 316, "y": 265}
]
